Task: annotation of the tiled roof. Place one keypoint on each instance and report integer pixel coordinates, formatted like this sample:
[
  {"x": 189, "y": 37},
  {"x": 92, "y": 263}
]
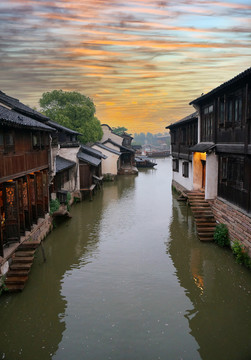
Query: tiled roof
[
  {"x": 230, "y": 82},
  {"x": 92, "y": 152},
  {"x": 202, "y": 147},
  {"x": 118, "y": 145},
  {"x": 61, "y": 127},
  {"x": 188, "y": 118},
  {"x": 15, "y": 104},
  {"x": 88, "y": 158},
  {"x": 102, "y": 146},
  {"x": 63, "y": 164},
  {"x": 12, "y": 118}
]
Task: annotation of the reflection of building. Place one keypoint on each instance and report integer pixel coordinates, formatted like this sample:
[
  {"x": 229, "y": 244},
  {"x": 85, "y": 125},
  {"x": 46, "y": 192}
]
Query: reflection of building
[
  {"x": 24, "y": 168},
  {"x": 219, "y": 294}
]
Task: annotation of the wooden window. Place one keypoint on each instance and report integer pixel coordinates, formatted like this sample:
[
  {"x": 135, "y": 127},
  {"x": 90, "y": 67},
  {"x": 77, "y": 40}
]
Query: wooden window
[
  {"x": 185, "y": 169},
  {"x": 223, "y": 169},
  {"x": 207, "y": 123},
  {"x": 176, "y": 165},
  {"x": 36, "y": 141},
  {"x": 238, "y": 109},
  {"x": 173, "y": 137},
  {"x": 9, "y": 144},
  {"x": 184, "y": 135},
  {"x": 1, "y": 139},
  {"x": 222, "y": 111}
]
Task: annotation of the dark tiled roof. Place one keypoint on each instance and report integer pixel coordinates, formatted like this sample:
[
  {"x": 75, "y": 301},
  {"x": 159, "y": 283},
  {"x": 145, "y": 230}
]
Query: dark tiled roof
[
  {"x": 124, "y": 148},
  {"x": 202, "y": 147},
  {"x": 63, "y": 164},
  {"x": 62, "y": 128},
  {"x": 12, "y": 118},
  {"x": 102, "y": 146},
  {"x": 88, "y": 158},
  {"x": 188, "y": 118},
  {"x": 92, "y": 152},
  {"x": 16, "y": 105},
  {"x": 230, "y": 82}
]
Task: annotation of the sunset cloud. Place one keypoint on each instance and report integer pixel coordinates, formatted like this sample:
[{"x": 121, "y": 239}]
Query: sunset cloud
[{"x": 141, "y": 61}]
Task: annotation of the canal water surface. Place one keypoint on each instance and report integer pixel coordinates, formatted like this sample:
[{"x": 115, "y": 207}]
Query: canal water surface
[{"x": 127, "y": 279}]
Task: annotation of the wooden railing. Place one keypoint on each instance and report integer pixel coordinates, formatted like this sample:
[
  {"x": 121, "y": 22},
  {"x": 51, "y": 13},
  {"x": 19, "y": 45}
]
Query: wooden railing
[{"x": 15, "y": 164}]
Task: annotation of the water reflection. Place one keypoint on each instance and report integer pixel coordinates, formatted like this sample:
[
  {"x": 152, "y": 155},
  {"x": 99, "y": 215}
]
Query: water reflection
[{"x": 219, "y": 289}]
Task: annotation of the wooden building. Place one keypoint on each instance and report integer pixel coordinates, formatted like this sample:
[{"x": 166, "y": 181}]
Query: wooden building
[
  {"x": 225, "y": 138},
  {"x": 24, "y": 166},
  {"x": 90, "y": 168},
  {"x": 184, "y": 134}
]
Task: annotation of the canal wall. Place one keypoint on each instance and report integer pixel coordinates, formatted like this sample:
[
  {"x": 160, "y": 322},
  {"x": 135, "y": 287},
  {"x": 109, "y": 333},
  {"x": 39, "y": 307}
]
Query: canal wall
[
  {"x": 38, "y": 233},
  {"x": 237, "y": 221}
]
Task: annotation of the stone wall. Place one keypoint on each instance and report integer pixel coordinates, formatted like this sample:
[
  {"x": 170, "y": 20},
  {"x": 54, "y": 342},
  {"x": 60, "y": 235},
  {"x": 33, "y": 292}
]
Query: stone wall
[
  {"x": 237, "y": 221},
  {"x": 38, "y": 233}
]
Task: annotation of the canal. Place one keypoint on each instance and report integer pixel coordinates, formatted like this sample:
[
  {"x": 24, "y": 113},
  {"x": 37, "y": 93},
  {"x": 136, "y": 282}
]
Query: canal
[{"x": 127, "y": 279}]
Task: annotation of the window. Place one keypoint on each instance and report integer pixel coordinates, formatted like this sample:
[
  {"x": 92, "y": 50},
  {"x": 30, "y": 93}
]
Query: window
[
  {"x": 173, "y": 137},
  {"x": 207, "y": 123},
  {"x": 222, "y": 112},
  {"x": 176, "y": 165},
  {"x": 184, "y": 135},
  {"x": 8, "y": 140},
  {"x": 185, "y": 169},
  {"x": 238, "y": 110},
  {"x": 223, "y": 169},
  {"x": 1, "y": 139}
]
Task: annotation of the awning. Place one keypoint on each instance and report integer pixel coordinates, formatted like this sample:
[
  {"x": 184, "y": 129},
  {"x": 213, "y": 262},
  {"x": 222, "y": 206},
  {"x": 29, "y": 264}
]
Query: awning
[
  {"x": 202, "y": 147},
  {"x": 63, "y": 164},
  {"x": 89, "y": 159}
]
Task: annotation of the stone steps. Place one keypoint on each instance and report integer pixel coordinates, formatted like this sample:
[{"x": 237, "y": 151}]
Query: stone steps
[{"x": 203, "y": 215}]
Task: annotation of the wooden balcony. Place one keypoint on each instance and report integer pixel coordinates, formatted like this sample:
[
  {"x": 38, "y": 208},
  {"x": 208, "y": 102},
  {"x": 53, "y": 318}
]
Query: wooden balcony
[{"x": 15, "y": 165}]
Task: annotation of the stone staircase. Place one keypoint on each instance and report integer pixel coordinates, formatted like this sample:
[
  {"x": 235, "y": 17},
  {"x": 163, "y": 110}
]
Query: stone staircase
[
  {"x": 204, "y": 217},
  {"x": 20, "y": 267}
]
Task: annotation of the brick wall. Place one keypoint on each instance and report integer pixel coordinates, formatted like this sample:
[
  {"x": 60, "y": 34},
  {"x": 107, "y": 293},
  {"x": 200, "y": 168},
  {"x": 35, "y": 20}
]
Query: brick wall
[{"x": 237, "y": 221}]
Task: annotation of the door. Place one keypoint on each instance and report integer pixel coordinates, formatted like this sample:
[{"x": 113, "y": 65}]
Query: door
[
  {"x": 203, "y": 173},
  {"x": 12, "y": 222}
]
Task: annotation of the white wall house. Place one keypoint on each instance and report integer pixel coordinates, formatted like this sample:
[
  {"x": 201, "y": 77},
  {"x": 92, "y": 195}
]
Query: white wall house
[
  {"x": 109, "y": 134},
  {"x": 111, "y": 164}
]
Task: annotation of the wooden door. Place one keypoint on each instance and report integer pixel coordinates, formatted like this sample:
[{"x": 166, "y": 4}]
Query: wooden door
[
  {"x": 32, "y": 197},
  {"x": 26, "y": 204},
  {"x": 21, "y": 206},
  {"x": 84, "y": 176},
  {"x": 203, "y": 173},
  {"x": 2, "y": 220},
  {"x": 39, "y": 194},
  {"x": 12, "y": 223}
]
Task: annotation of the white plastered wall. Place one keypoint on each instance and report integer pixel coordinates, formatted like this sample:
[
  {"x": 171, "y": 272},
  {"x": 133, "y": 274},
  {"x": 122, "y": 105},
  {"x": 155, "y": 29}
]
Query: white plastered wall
[
  {"x": 107, "y": 134},
  {"x": 71, "y": 154},
  {"x": 186, "y": 182},
  {"x": 211, "y": 176},
  {"x": 110, "y": 164}
]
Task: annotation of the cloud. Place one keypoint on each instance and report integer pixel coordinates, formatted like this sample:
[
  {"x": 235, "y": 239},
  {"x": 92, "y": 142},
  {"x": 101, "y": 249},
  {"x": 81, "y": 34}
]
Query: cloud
[{"x": 140, "y": 60}]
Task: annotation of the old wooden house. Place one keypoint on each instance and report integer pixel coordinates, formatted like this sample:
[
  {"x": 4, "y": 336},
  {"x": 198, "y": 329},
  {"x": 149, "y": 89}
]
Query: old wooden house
[
  {"x": 110, "y": 165},
  {"x": 65, "y": 169},
  {"x": 90, "y": 169},
  {"x": 24, "y": 167},
  {"x": 122, "y": 144},
  {"x": 184, "y": 134},
  {"x": 225, "y": 139}
]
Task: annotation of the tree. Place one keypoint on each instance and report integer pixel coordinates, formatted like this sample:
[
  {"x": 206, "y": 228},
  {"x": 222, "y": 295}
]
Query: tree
[
  {"x": 119, "y": 130},
  {"x": 73, "y": 110}
]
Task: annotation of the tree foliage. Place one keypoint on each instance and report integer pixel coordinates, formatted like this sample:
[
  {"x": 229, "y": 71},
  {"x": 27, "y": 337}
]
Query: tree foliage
[
  {"x": 73, "y": 110},
  {"x": 119, "y": 130}
]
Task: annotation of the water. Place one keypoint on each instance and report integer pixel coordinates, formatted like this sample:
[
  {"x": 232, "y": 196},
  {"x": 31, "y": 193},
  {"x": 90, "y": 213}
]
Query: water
[{"x": 126, "y": 278}]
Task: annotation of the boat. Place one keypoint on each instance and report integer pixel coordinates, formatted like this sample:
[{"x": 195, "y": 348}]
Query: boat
[{"x": 144, "y": 162}]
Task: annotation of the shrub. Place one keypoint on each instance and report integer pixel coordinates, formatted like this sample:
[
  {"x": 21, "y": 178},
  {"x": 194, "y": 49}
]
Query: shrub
[
  {"x": 241, "y": 254},
  {"x": 221, "y": 235},
  {"x": 54, "y": 206}
]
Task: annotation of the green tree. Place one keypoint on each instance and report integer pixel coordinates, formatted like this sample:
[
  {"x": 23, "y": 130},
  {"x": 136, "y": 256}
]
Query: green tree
[
  {"x": 119, "y": 130},
  {"x": 73, "y": 110}
]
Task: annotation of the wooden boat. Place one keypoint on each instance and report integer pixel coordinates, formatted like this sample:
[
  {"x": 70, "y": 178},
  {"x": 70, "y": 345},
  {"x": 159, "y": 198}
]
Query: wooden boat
[{"x": 144, "y": 162}]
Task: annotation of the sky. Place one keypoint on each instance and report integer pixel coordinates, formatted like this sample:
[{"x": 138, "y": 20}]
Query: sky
[{"x": 140, "y": 61}]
